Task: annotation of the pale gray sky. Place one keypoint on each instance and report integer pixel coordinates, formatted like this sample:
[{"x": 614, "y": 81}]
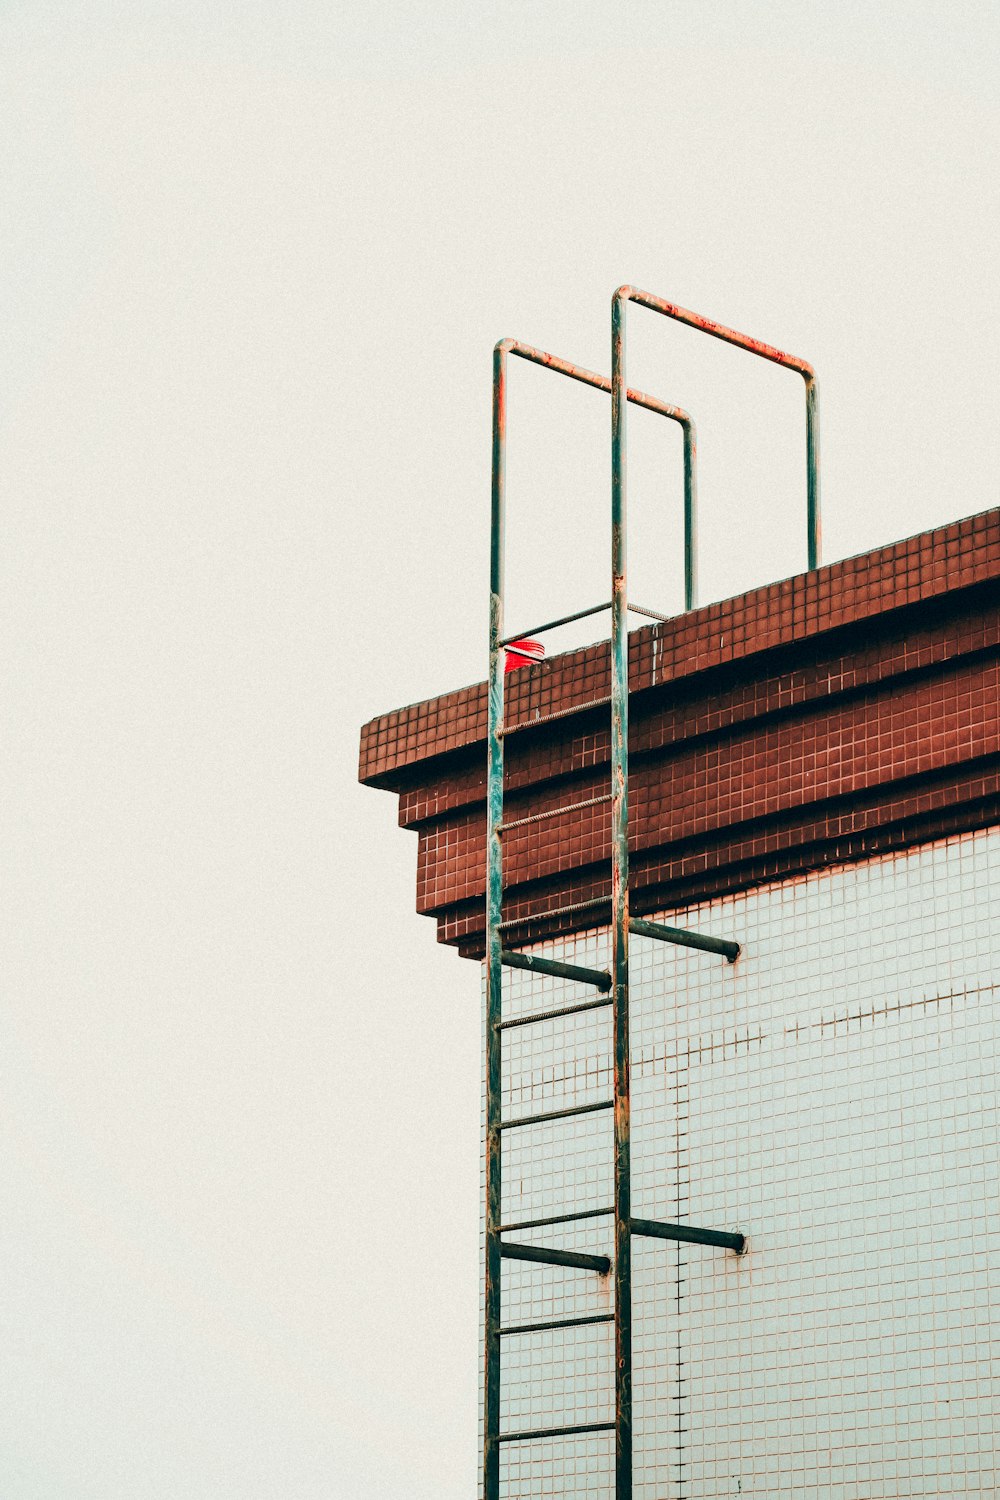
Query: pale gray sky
[{"x": 254, "y": 261}]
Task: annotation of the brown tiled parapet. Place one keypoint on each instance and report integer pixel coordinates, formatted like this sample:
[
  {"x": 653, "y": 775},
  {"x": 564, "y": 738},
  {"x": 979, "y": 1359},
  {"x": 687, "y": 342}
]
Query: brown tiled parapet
[{"x": 822, "y": 718}]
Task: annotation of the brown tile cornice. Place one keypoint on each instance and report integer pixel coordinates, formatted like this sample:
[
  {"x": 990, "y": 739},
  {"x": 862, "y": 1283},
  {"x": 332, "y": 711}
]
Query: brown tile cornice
[{"x": 806, "y": 722}]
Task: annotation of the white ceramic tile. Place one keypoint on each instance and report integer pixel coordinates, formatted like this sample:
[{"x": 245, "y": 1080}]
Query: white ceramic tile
[{"x": 833, "y": 1095}]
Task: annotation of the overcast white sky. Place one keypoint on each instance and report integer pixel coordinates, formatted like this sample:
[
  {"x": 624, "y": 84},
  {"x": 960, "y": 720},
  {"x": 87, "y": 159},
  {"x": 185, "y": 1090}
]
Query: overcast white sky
[{"x": 254, "y": 259}]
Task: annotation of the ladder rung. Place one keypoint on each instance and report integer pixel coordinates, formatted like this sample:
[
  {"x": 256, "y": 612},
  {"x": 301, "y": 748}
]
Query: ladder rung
[
  {"x": 581, "y": 614},
  {"x": 560, "y": 713},
  {"x": 554, "y": 812},
  {"x": 572, "y": 1258},
  {"x": 587, "y": 1213},
  {"x": 651, "y": 614},
  {"x": 558, "y": 1114},
  {"x": 547, "y": 1432},
  {"x": 555, "y": 911},
  {"x": 548, "y": 1015},
  {"x": 599, "y": 978},
  {"x": 737, "y": 1242},
  {"x": 683, "y": 938},
  {"x": 559, "y": 1323}
]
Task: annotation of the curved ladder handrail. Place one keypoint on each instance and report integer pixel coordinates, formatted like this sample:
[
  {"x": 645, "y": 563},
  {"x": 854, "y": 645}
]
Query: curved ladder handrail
[{"x": 802, "y": 367}]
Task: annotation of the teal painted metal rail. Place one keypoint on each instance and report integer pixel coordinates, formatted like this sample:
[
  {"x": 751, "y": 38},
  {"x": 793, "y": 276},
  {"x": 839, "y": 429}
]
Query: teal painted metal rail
[
  {"x": 626, "y": 294},
  {"x": 638, "y": 398}
]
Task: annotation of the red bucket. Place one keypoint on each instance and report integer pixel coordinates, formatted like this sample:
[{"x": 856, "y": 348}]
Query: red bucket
[{"x": 523, "y": 654}]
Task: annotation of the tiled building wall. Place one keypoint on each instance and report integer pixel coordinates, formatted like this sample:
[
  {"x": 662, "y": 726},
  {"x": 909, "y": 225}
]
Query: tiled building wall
[{"x": 833, "y": 1095}]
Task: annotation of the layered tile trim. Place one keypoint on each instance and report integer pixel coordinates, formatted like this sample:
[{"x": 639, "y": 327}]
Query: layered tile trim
[
  {"x": 849, "y": 592},
  {"x": 847, "y": 724}
]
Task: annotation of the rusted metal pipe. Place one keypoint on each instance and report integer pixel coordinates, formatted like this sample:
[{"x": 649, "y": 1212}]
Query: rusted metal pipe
[
  {"x": 559, "y": 911},
  {"x": 572, "y": 1429},
  {"x": 651, "y": 614},
  {"x": 619, "y": 908},
  {"x": 626, "y": 294},
  {"x": 559, "y": 713},
  {"x": 688, "y": 1235},
  {"x": 553, "y": 1323},
  {"x": 550, "y": 1015},
  {"x": 553, "y": 812},
  {"x": 649, "y": 403},
  {"x": 585, "y": 1213},
  {"x": 569, "y": 1113},
  {"x": 494, "y": 970},
  {"x": 572, "y": 1258},
  {"x": 539, "y": 965},
  {"x": 690, "y": 516},
  {"x": 685, "y": 939},
  {"x": 578, "y": 614}
]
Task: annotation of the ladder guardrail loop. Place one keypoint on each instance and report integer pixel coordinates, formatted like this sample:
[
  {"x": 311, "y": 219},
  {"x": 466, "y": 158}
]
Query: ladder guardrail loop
[{"x": 802, "y": 367}]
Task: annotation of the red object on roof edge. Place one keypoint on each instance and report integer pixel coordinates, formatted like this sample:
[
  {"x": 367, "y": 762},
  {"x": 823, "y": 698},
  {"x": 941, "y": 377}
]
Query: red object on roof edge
[{"x": 519, "y": 651}]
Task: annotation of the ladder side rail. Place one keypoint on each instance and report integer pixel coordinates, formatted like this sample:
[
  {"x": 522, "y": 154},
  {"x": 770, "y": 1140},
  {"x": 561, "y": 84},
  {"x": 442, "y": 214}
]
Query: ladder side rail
[
  {"x": 619, "y": 909},
  {"x": 763, "y": 351},
  {"x": 494, "y": 970}
]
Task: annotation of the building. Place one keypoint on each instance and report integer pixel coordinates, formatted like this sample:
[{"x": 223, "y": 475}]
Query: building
[{"x": 814, "y": 775}]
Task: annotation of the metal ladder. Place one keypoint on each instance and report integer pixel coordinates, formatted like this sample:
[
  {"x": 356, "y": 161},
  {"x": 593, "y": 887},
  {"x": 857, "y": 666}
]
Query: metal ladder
[{"x": 612, "y": 986}]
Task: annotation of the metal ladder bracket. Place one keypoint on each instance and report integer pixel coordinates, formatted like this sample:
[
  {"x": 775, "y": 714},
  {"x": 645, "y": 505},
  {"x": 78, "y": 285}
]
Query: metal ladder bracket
[
  {"x": 599, "y": 978},
  {"x": 684, "y": 939},
  {"x": 687, "y": 1234},
  {"x": 576, "y": 1260}
]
